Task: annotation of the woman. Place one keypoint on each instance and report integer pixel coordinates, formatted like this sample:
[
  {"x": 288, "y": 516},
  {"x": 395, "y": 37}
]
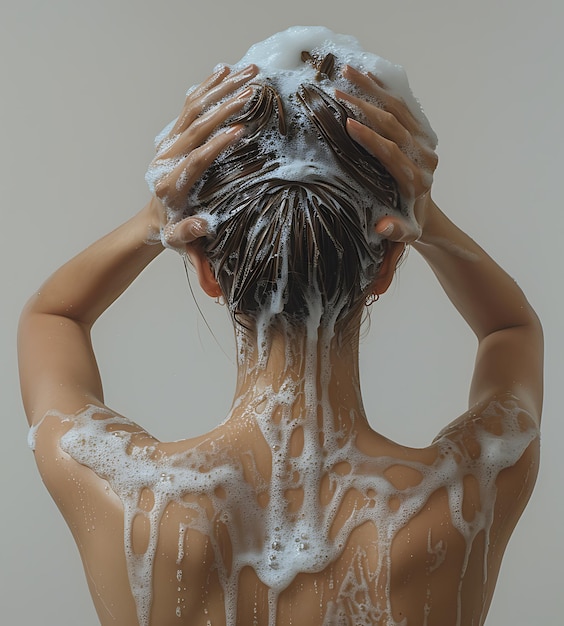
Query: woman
[{"x": 293, "y": 510}]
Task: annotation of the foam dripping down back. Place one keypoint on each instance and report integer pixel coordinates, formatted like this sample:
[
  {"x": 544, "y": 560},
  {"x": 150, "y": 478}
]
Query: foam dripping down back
[{"x": 304, "y": 509}]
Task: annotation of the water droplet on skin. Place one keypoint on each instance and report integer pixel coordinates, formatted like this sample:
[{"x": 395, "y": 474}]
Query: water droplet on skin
[{"x": 275, "y": 558}]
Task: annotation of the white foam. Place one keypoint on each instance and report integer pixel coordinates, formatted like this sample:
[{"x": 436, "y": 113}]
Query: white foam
[
  {"x": 276, "y": 543},
  {"x": 279, "y": 61},
  {"x": 280, "y": 56}
]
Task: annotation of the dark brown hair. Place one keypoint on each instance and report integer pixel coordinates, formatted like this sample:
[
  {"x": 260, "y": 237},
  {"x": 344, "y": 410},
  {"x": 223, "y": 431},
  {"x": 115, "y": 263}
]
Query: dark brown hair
[{"x": 292, "y": 246}]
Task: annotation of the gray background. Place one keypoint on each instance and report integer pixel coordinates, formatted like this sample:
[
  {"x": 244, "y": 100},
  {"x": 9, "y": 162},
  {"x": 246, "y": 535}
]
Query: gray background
[{"x": 86, "y": 85}]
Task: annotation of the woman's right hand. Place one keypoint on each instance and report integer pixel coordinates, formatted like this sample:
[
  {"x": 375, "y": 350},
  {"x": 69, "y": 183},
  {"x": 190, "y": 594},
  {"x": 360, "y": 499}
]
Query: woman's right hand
[
  {"x": 190, "y": 147},
  {"x": 397, "y": 140}
]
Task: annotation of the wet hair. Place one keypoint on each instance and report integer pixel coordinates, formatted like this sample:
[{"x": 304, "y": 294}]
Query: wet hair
[{"x": 293, "y": 247}]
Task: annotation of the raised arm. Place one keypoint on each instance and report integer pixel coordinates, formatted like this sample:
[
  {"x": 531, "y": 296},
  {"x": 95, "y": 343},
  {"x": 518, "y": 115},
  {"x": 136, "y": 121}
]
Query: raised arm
[
  {"x": 58, "y": 370},
  {"x": 510, "y": 343}
]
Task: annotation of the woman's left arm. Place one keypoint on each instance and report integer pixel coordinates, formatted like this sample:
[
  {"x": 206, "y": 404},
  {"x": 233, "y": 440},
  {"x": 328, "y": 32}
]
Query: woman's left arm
[{"x": 58, "y": 369}]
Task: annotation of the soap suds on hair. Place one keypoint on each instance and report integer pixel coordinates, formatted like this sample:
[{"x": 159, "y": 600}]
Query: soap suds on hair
[{"x": 280, "y": 540}]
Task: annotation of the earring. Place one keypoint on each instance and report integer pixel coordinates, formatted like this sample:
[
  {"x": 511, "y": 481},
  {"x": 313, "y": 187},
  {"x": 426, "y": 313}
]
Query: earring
[
  {"x": 372, "y": 298},
  {"x": 220, "y": 300}
]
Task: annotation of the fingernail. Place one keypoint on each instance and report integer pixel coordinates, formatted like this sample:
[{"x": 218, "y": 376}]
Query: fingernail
[
  {"x": 199, "y": 228},
  {"x": 246, "y": 93},
  {"x": 249, "y": 71},
  {"x": 354, "y": 125},
  {"x": 387, "y": 231},
  {"x": 235, "y": 130}
]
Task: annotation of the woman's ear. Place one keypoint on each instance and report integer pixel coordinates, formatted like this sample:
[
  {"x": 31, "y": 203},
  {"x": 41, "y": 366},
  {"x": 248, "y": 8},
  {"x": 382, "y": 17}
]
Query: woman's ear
[
  {"x": 206, "y": 276},
  {"x": 388, "y": 267}
]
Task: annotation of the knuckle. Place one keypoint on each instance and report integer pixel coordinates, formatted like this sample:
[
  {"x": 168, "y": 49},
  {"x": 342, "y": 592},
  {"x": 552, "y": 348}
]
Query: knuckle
[
  {"x": 389, "y": 118},
  {"x": 424, "y": 182},
  {"x": 195, "y": 160},
  {"x": 161, "y": 187},
  {"x": 396, "y": 152},
  {"x": 395, "y": 106},
  {"x": 196, "y": 123},
  {"x": 430, "y": 161},
  {"x": 406, "y": 138}
]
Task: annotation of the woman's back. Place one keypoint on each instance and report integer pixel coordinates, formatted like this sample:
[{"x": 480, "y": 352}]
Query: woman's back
[
  {"x": 223, "y": 530},
  {"x": 293, "y": 510}
]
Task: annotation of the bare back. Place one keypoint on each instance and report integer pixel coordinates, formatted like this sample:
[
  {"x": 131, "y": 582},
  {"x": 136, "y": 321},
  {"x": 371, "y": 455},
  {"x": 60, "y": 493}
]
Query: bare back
[
  {"x": 208, "y": 531},
  {"x": 294, "y": 510}
]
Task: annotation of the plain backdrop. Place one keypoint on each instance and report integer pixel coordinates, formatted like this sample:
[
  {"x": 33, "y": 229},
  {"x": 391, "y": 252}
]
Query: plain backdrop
[{"x": 85, "y": 85}]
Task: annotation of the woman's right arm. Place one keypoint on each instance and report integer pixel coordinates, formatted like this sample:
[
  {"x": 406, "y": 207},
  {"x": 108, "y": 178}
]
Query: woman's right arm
[{"x": 510, "y": 341}]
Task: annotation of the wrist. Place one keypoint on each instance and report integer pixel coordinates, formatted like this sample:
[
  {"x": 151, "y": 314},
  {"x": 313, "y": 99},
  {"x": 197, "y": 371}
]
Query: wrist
[
  {"x": 152, "y": 215},
  {"x": 435, "y": 227}
]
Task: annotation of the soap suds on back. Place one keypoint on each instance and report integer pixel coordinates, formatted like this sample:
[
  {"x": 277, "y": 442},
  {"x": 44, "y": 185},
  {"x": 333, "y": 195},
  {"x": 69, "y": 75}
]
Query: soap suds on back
[
  {"x": 297, "y": 519},
  {"x": 278, "y": 543}
]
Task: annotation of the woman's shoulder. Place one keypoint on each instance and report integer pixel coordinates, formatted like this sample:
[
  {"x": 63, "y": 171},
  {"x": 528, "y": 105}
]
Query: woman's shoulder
[
  {"x": 496, "y": 426},
  {"x": 84, "y": 448},
  {"x": 497, "y": 442},
  {"x": 494, "y": 446},
  {"x": 99, "y": 448}
]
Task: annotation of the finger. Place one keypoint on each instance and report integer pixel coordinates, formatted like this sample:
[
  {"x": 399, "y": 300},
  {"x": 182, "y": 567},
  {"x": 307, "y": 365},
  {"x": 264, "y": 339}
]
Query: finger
[
  {"x": 189, "y": 112},
  {"x": 212, "y": 93},
  {"x": 185, "y": 231},
  {"x": 374, "y": 87},
  {"x": 397, "y": 229},
  {"x": 201, "y": 129},
  {"x": 383, "y": 121},
  {"x": 209, "y": 83},
  {"x": 173, "y": 187},
  {"x": 229, "y": 85},
  {"x": 387, "y": 125},
  {"x": 405, "y": 172}
]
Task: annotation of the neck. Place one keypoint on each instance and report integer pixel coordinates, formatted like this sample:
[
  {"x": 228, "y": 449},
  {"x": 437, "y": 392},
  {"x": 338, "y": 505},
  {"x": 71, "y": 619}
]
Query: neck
[{"x": 305, "y": 380}]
